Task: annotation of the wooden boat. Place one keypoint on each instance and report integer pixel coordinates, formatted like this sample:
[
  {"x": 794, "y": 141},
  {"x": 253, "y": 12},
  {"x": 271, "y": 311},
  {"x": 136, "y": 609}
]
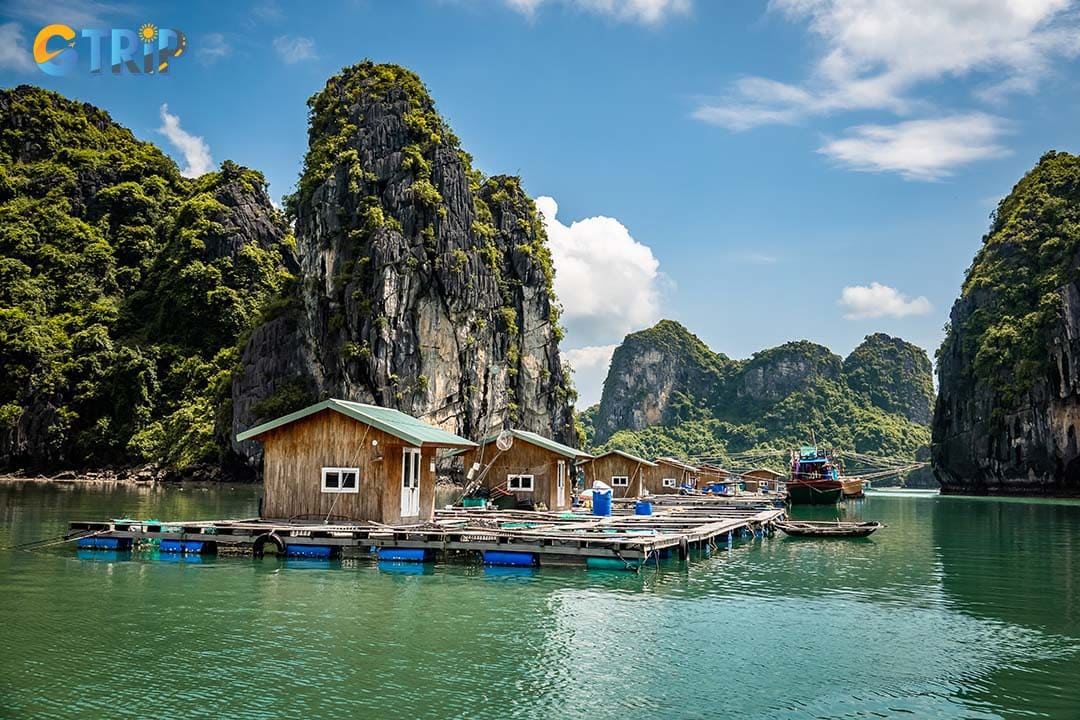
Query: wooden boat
[
  {"x": 814, "y": 479},
  {"x": 852, "y": 487},
  {"x": 903, "y": 492},
  {"x": 803, "y": 528}
]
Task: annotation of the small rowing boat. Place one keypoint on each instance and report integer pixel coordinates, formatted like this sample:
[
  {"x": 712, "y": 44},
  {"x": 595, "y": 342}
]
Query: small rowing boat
[
  {"x": 852, "y": 487},
  {"x": 804, "y": 528}
]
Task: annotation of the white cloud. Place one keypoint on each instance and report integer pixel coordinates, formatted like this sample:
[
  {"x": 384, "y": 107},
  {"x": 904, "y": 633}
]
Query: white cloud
[
  {"x": 194, "y": 149},
  {"x": 211, "y": 48},
  {"x": 879, "y": 55},
  {"x": 269, "y": 11},
  {"x": 877, "y": 300},
  {"x": 646, "y": 12},
  {"x": 753, "y": 257},
  {"x": 294, "y": 49},
  {"x": 14, "y": 48},
  {"x": 606, "y": 280},
  {"x": 590, "y": 366},
  {"x": 875, "y": 53},
  {"x": 919, "y": 149}
]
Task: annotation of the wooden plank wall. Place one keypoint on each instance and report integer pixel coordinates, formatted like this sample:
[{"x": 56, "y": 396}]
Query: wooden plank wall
[
  {"x": 295, "y": 454},
  {"x": 756, "y": 479},
  {"x": 653, "y": 478},
  {"x": 605, "y": 466},
  {"x": 524, "y": 458}
]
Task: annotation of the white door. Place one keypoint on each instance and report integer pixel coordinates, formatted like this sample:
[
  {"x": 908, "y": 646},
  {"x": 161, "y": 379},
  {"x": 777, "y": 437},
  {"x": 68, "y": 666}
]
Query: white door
[
  {"x": 410, "y": 482},
  {"x": 560, "y": 485}
]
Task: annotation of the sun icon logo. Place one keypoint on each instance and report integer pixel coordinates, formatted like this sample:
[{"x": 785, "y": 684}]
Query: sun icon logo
[{"x": 148, "y": 32}]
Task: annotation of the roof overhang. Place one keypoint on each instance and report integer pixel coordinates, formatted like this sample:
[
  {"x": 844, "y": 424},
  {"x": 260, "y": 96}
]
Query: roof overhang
[{"x": 427, "y": 436}]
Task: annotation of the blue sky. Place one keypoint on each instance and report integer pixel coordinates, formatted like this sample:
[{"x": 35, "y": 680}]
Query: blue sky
[{"x": 761, "y": 172}]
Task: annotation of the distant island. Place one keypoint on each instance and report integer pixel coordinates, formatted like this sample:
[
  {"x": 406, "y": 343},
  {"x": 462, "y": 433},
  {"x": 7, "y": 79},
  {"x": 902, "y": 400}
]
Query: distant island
[{"x": 667, "y": 393}]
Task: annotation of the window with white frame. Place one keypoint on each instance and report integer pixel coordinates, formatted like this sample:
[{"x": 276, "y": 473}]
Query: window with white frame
[
  {"x": 669, "y": 482},
  {"x": 619, "y": 481},
  {"x": 340, "y": 480},
  {"x": 519, "y": 483}
]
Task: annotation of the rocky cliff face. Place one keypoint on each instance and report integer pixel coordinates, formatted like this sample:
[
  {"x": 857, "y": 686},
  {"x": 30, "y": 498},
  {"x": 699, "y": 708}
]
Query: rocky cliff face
[
  {"x": 1008, "y": 407},
  {"x": 651, "y": 374},
  {"x": 667, "y": 393},
  {"x": 422, "y": 284},
  {"x": 773, "y": 374}
]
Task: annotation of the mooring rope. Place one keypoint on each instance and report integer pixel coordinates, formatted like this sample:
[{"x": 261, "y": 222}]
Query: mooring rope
[{"x": 57, "y": 540}]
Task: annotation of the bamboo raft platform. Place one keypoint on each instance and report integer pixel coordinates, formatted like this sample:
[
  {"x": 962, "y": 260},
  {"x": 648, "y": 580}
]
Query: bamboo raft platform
[
  {"x": 495, "y": 537},
  {"x": 705, "y": 503}
]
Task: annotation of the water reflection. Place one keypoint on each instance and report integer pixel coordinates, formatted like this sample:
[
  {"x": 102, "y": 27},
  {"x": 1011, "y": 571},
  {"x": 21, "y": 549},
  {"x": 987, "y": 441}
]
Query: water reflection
[{"x": 938, "y": 615}]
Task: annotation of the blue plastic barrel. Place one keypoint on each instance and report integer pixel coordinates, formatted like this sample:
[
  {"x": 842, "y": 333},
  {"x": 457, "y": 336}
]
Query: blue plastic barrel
[
  {"x": 309, "y": 551},
  {"x": 404, "y": 555},
  {"x": 601, "y": 502},
  {"x": 103, "y": 543},
  {"x": 513, "y": 559},
  {"x": 171, "y": 546},
  {"x": 643, "y": 507}
]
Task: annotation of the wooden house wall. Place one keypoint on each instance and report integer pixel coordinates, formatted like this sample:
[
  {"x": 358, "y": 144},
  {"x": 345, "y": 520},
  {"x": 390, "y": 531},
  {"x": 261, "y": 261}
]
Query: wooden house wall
[
  {"x": 295, "y": 454},
  {"x": 756, "y": 479},
  {"x": 524, "y": 458},
  {"x": 603, "y": 468},
  {"x": 712, "y": 475},
  {"x": 654, "y": 478}
]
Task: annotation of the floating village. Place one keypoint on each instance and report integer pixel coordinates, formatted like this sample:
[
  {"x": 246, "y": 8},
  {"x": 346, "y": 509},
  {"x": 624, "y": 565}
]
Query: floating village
[{"x": 346, "y": 479}]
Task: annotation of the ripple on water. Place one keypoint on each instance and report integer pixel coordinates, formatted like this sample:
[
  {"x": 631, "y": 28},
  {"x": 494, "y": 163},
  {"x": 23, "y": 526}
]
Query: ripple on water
[{"x": 928, "y": 618}]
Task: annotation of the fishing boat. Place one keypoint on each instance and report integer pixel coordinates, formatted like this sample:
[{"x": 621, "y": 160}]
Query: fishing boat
[
  {"x": 800, "y": 528},
  {"x": 815, "y": 480}
]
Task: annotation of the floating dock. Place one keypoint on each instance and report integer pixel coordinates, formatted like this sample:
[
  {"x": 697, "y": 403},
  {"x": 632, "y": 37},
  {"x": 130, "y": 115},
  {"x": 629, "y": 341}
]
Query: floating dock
[{"x": 493, "y": 537}]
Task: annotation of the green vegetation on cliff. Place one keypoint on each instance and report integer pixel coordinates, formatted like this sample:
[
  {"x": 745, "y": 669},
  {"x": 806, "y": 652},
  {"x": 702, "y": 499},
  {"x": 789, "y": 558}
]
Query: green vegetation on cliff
[
  {"x": 124, "y": 289},
  {"x": 1008, "y": 303}
]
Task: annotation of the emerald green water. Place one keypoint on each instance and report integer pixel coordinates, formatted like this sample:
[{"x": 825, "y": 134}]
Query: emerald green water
[{"x": 961, "y": 608}]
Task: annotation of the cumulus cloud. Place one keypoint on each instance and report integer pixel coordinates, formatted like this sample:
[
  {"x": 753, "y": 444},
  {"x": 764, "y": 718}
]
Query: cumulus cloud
[
  {"x": 14, "y": 48},
  {"x": 211, "y": 48},
  {"x": 607, "y": 281},
  {"x": 294, "y": 49},
  {"x": 646, "y": 12},
  {"x": 919, "y": 149},
  {"x": 194, "y": 149},
  {"x": 608, "y": 284},
  {"x": 590, "y": 365},
  {"x": 877, "y": 300}
]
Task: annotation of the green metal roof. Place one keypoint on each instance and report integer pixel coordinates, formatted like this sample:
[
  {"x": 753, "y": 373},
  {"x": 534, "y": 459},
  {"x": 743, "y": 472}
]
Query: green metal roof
[
  {"x": 677, "y": 463},
  {"x": 404, "y": 427},
  {"x": 626, "y": 455},
  {"x": 541, "y": 441}
]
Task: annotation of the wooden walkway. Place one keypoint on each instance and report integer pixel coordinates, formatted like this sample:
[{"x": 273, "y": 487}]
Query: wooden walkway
[{"x": 492, "y": 536}]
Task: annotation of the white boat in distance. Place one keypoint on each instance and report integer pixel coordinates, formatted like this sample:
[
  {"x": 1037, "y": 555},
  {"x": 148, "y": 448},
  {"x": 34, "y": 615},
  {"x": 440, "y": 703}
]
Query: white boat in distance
[{"x": 902, "y": 492}]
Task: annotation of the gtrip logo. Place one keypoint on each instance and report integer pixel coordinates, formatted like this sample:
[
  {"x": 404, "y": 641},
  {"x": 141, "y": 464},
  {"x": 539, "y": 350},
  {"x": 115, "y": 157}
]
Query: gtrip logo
[{"x": 146, "y": 51}]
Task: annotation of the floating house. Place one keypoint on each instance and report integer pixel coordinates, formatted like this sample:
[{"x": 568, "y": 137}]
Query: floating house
[
  {"x": 762, "y": 480},
  {"x": 533, "y": 471},
  {"x": 346, "y": 460},
  {"x": 669, "y": 476},
  {"x": 625, "y": 473},
  {"x": 709, "y": 474}
]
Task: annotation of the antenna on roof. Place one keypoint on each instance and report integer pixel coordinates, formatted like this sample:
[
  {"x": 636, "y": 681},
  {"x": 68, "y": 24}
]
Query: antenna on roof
[{"x": 505, "y": 440}]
